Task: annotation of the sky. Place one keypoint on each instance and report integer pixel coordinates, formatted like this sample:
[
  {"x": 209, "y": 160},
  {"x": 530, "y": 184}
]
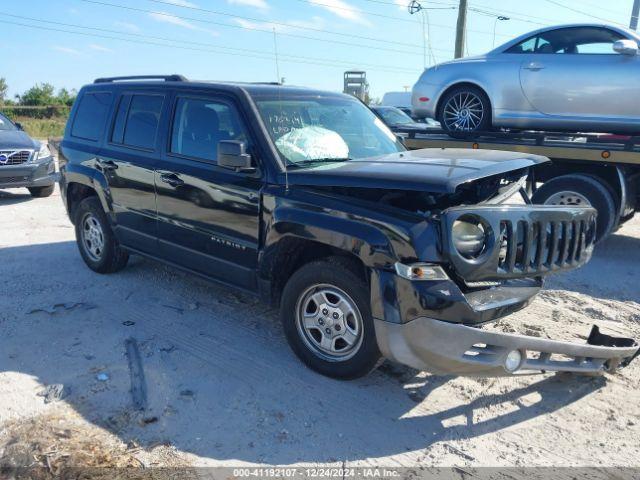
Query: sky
[{"x": 69, "y": 43}]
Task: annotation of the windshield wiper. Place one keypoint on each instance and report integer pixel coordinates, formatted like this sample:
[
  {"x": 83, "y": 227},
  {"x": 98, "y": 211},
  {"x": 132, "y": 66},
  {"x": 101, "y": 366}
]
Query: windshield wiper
[{"x": 320, "y": 160}]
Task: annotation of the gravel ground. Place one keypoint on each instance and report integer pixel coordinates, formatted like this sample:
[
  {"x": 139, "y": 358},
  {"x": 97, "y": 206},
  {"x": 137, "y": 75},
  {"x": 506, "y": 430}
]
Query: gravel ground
[{"x": 224, "y": 389}]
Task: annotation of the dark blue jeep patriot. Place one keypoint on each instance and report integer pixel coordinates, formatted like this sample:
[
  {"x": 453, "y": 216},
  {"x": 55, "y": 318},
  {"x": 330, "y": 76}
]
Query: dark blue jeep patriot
[{"x": 307, "y": 199}]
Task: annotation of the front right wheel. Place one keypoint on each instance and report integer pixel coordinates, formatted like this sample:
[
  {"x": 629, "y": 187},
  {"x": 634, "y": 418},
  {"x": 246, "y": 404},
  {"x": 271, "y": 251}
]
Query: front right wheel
[{"x": 327, "y": 319}]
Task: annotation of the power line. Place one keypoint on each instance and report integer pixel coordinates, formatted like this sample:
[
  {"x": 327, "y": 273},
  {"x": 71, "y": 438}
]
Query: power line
[
  {"x": 256, "y": 29},
  {"x": 608, "y": 10},
  {"x": 282, "y": 24},
  {"x": 553, "y": 2},
  {"x": 393, "y": 4},
  {"x": 499, "y": 14},
  {"x": 357, "y": 10},
  {"x": 518, "y": 15},
  {"x": 263, "y": 55},
  {"x": 314, "y": 2},
  {"x": 246, "y": 27},
  {"x": 164, "y": 39}
]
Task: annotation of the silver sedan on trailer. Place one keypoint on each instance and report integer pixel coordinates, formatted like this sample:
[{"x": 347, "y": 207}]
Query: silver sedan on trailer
[{"x": 571, "y": 78}]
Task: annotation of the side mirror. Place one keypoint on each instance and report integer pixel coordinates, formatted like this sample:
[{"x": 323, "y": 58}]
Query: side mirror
[
  {"x": 233, "y": 155},
  {"x": 18, "y": 125},
  {"x": 626, "y": 47}
]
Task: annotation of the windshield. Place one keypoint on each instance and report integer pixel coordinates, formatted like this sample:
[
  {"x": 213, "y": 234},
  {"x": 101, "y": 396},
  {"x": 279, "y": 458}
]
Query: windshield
[
  {"x": 315, "y": 128},
  {"x": 6, "y": 124},
  {"x": 395, "y": 116}
]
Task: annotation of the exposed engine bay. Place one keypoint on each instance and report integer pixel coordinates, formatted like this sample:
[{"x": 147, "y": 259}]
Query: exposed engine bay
[{"x": 490, "y": 190}]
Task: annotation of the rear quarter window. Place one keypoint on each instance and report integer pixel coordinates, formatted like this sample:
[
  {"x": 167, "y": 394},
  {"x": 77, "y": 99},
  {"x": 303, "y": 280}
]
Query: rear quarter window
[{"x": 91, "y": 116}]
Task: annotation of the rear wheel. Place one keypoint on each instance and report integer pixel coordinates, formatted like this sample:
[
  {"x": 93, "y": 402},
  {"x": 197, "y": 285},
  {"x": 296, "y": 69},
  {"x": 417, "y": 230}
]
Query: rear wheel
[
  {"x": 326, "y": 317},
  {"x": 465, "y": 109},
  {"x": 96, "y": 241},
  {"x": 41, "y": 192},
  {"x": 581, "y": 190}
]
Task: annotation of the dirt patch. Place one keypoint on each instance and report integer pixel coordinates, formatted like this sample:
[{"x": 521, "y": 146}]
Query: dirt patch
[{"x": 63, "y": 446}]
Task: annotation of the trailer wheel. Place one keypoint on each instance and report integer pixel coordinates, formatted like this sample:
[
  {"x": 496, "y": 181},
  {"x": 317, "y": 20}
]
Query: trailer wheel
[{"x": 581, "y": 190}]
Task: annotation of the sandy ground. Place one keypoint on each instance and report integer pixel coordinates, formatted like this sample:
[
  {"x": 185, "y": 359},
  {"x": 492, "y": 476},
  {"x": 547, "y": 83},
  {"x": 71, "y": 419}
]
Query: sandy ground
[{"x": 224, "y": 388}]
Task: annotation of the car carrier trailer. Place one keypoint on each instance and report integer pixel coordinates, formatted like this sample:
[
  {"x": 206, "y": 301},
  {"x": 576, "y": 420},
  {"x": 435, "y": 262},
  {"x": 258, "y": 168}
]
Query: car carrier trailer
[{"x": 600, "y": 170}]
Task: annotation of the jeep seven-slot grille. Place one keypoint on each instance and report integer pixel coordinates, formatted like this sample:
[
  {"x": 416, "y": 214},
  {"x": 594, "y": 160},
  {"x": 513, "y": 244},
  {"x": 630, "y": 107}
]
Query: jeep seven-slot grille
[
  {"x": 540, "y": 246},
  {"x": 14, "y": 157}
]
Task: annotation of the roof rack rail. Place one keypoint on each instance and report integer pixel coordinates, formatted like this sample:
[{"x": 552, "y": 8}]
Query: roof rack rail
[{"x": 166, "y": 78}]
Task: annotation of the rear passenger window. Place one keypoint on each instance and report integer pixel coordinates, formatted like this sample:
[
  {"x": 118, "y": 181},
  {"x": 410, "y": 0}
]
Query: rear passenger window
[
  {"x": 199, "y": 125},
  {"x": 91, "y": 116},
  {"x": 137, "y": 120}
]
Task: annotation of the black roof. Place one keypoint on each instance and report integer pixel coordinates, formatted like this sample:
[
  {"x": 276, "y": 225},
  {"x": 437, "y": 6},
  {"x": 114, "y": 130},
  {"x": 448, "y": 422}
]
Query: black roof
[{"x": 254, "y": 89}]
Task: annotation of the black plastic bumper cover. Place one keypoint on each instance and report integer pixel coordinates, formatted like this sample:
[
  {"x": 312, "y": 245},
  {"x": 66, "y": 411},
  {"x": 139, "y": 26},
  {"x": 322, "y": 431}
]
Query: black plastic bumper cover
[{"x": 603, "y": 340}]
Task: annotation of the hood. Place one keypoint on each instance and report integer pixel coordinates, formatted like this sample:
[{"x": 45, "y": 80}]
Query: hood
[
  {"x": 474, "y": 59},
  {"x": 16, "y": 139},
  {"x": 434, "y": 170}
]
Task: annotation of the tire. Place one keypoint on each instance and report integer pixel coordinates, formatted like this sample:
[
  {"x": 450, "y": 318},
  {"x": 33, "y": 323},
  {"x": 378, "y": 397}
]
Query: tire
[
  {"x": 41, "y": 192},
  {"x": 352, "y": 334},
  {"x": 96, "y": 241},
  {"x": 470, "y": 96},
  {"x": 575, "y": 190}
]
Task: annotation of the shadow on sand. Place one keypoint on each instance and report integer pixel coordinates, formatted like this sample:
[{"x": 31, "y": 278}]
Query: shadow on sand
[{"x": 14, "y": 196}]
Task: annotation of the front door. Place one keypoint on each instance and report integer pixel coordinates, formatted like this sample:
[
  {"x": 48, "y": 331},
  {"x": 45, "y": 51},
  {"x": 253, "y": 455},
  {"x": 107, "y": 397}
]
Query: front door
[
  {"x": 575, "y": 72},
  {"x": 208, "y": 216},
  {"x": 128, "y": 161}
]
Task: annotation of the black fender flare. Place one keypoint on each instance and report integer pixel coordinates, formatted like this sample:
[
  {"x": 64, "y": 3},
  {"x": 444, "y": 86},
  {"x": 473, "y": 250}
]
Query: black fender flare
[{"x": 91, "y": 178}]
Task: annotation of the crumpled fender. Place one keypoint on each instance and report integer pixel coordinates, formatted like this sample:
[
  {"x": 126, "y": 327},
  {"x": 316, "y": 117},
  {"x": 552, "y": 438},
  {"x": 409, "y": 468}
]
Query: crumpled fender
[{"x": 376, "y": 241}]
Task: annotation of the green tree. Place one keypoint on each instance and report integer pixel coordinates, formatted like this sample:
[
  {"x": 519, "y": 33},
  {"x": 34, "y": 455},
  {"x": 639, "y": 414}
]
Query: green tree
[
  {"x": 66, "y": 97},
  {"x": 4, "y": 88},
  {"x": 39, "y": 95}
]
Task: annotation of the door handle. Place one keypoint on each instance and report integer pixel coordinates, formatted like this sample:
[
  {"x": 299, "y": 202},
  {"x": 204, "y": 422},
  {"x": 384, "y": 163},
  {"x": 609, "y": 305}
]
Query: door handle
[
  {"x": 534, "y": 66},
  {"x": 171, "y": 179},
  {"x": 107, "y": 165}
]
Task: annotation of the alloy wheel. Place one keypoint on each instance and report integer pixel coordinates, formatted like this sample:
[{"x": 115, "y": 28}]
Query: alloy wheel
[{"x": 463, "y": 112}]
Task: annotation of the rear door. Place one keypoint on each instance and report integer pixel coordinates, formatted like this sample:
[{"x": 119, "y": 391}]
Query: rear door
[
  {"x": 208, "y": 216},
  {"x": 128, "y": 161}
]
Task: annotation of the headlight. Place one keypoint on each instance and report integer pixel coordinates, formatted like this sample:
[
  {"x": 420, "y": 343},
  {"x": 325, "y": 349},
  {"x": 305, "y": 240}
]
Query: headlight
[
  {"x": 420, "y": 271},
  {"x": 42, "y": 154},
  {"x": 469, "y": 236}
]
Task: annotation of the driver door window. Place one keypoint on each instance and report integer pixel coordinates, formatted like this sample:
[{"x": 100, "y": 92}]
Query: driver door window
[
  {"x": 200, "y": 124},
  {"x": 574, "y": 41}
]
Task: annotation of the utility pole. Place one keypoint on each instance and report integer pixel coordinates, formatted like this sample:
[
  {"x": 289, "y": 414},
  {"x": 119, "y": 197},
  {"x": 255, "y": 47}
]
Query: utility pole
[
  {"x": 461, "y": 28},
  {"x": 633, "y": 25}
]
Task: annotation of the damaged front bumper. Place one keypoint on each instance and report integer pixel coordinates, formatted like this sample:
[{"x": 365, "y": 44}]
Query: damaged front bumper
[{"x": 453, "y": 349}]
